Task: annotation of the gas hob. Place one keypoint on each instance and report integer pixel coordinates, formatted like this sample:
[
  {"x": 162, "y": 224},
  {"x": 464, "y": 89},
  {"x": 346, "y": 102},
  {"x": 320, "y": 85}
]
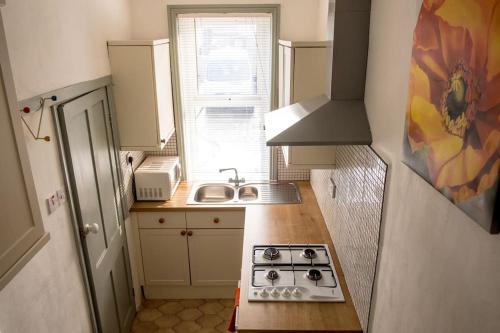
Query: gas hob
[{"x": 294, "y": 273}]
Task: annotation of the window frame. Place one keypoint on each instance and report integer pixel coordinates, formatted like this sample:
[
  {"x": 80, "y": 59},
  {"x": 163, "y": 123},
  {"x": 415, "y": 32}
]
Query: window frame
[{"x": 172, "y": 12}]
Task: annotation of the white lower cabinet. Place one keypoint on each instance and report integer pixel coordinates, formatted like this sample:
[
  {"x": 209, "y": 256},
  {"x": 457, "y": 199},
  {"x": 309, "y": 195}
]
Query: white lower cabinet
[
  {"x": 165, "y": 257},
  {"x": 215, "y": 256},
  {"x": 187, "y": 262}
]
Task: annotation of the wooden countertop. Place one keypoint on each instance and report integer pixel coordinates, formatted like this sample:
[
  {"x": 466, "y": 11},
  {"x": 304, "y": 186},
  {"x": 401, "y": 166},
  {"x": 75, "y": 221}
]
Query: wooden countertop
[
  {"x": 280, "y": 224},
  {"x": 302, "y": 223}
]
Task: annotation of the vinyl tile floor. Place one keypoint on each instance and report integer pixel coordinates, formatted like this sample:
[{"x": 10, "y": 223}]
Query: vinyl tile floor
[{"x": 184, "y": 316}]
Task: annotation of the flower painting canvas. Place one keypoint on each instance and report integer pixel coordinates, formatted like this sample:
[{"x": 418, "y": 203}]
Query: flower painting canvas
[{"x": 452, "y": 129}]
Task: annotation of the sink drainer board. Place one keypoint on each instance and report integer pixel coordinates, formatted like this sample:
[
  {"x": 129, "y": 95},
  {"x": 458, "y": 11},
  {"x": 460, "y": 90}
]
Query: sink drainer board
[{"x": 251, "y": 193}]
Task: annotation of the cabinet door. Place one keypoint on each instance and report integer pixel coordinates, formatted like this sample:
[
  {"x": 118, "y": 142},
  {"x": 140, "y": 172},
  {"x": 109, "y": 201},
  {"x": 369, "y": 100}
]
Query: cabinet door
[
  {"x": 163, "y": 85},
  {"x": 285, "y": 75},
  {"x": 164, "y": 257},
  {"x": 309, "y": 79},
  {"x": 134, "y": 96},
  {"x": 215, "y": 256},
  {"x": 312, "y": 156}
]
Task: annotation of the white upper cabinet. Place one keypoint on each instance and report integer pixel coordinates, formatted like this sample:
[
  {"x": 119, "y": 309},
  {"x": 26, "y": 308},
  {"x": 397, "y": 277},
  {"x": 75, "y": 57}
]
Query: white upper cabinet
[
  {"x": 302, "y": 75},
  {"x": 142, "y": 92},
  {"x": 302, "y": 71},
  {"x": 309, "y": 157}
]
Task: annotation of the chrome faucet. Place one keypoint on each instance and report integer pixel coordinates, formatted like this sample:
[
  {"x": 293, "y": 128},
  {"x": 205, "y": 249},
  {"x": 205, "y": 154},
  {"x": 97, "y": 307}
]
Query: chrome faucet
[{"x": 237, "y": 181}]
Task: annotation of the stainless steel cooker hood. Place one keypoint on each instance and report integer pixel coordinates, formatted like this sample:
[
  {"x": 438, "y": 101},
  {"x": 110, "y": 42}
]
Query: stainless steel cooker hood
[
  {"x": 339, "y": 118},
  {"x": 319, "y": 121}
]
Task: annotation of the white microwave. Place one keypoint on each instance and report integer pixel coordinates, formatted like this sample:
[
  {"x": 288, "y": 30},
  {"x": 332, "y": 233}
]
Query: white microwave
[{"x": 157, "y": 178}]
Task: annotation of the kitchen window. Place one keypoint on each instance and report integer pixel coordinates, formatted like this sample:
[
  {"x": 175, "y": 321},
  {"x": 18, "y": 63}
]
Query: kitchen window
[{"x": 225, "y": 75}]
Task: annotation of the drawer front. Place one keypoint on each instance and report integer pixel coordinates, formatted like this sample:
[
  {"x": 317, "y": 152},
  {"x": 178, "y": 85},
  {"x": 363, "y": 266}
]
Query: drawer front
[
  {"x": 164, "y": 220},
  {"x": 209, "y": 219}
]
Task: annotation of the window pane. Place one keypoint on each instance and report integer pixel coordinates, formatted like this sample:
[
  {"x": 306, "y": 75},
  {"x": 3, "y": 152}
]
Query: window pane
[
  {"x": 225, "y": 77},
  {"x": 226, "y": 59}
]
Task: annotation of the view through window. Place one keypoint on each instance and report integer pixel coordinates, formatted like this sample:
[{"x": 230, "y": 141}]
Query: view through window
[{"x": 225, "y": 84}]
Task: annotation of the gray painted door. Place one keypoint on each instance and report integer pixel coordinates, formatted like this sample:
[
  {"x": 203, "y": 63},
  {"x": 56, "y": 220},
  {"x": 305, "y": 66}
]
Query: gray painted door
[{"x": 91, "y": 156}]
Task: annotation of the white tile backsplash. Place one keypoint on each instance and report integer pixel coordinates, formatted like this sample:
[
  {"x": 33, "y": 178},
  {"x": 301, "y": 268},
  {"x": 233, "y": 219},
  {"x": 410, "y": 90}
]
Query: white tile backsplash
[
  {"x": 285, "y": 173},
  {"x": 353, "y": 217},
  {"x": 170, "y": 148}
]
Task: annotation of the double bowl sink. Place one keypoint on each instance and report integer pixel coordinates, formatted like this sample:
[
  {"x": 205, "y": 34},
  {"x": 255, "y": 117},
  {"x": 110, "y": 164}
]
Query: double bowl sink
[{"x": 252, "y": 193}]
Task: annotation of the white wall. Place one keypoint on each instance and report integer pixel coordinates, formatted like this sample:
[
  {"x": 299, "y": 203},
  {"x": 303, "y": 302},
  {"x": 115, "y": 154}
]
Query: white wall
[
  {"x": 322, "y": 19},
  {"x": 54, "y": 43},
  {"x": 438, "y": 270},
  {"x": 299, "y": 18}
]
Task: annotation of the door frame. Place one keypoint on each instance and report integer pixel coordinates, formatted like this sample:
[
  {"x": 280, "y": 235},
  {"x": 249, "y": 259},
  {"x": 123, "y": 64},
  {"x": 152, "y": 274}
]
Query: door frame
[
  {"x": 172, "y": 12},
  {"x": 68, "y": 94}
]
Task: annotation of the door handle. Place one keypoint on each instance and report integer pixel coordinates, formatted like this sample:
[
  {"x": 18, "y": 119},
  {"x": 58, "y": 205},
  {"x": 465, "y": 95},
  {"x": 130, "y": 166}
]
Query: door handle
[{"x": 90, "y": 228}]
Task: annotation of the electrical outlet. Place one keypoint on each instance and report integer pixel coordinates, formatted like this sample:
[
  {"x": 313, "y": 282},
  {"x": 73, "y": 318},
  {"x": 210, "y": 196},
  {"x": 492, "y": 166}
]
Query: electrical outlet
[
  {"x": 332, "y": 188},
  {"x": 52, "y": 203},
  {"x": 129, "y": 158},
  {"x": 61, "y": 196}
]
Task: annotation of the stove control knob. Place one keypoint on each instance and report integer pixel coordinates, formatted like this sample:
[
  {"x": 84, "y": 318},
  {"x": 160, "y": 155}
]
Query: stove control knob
[
  {"x": 286, "y": 292},
  {"x": 264, "y": 293},
  {"x": 275, "y": 292},
  {"x": 296, "y": 292}
]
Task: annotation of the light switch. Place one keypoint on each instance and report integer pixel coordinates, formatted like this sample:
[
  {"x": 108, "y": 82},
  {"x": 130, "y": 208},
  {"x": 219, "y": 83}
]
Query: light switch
[{"x": 61, "y": 196}]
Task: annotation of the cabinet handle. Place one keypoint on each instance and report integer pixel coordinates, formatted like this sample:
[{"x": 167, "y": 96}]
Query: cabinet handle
[
  {"x": 190, "y": 233},
  {"x": 163, "y": 140},
  {"x": 216, "y": 220},
  {"x": 183, "y": 233},
  {"x": 161, "y": 220}
]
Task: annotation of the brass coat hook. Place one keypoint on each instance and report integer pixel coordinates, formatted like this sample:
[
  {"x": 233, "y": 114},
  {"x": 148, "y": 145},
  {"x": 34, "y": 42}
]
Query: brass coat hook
[{"x": 41, "y": 107}]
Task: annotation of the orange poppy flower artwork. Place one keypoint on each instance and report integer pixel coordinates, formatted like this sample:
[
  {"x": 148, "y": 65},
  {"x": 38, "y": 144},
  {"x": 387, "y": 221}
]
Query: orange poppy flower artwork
[{"x": 452, "y": 132}]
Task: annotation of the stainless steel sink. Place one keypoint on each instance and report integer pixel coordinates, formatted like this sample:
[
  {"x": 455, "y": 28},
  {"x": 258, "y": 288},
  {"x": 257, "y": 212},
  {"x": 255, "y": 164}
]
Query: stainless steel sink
[
  {"x": 251, "y": 193},
  {"x": 248, "y": 193},
  {"x": 214, "y": 193}
]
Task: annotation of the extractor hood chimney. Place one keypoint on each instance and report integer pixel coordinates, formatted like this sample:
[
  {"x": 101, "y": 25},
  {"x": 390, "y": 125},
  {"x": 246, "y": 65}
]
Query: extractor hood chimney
[{"x": 339, "y": 117}]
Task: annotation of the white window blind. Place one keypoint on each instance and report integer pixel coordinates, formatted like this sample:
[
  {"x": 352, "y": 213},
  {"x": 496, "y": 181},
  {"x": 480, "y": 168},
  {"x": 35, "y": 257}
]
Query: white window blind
[{"x": 225, "y": 85}]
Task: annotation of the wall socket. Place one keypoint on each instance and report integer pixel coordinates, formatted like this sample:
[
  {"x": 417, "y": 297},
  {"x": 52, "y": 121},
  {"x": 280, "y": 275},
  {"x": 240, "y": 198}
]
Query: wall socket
[
  {"x": 332, "y": 188},
  {"x": 129, "y": 158}
]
